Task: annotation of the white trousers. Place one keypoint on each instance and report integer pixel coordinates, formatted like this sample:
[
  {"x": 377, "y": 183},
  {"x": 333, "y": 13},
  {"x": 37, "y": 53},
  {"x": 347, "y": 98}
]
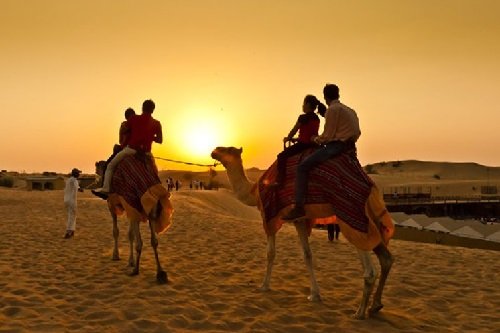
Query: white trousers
[
  {"x": 71, "y": 208},
  {"x": 110, "y": 169}
]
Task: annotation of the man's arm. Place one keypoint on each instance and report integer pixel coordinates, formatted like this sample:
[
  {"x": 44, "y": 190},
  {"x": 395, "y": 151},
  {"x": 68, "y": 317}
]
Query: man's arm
[
  {"x": 159, "y": 134},
  {"x": 331, "y": 120}
]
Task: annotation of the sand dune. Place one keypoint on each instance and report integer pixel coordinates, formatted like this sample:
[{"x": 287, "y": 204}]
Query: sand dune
[{"x": 215, "y": 257}]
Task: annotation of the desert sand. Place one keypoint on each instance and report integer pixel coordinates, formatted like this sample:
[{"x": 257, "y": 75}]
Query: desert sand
[{"x": 215, "y": 255}]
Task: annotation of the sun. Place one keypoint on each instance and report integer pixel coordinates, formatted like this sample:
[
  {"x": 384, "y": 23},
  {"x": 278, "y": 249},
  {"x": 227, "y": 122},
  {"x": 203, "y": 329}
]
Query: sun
[
  {"x": 200, "y": 139},
  {"x": 193, "y": 133}
]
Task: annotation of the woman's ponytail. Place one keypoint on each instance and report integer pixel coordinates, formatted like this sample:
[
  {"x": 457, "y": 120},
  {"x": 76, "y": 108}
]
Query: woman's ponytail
[{"x": 321, "y": 109}]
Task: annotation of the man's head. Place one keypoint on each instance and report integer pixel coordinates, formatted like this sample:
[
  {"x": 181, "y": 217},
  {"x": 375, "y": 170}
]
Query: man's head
[
  {"x": 148, "y": 106},
  {"x": 129, "y": 113},
  {"x": 331, "y": 92},
  {"x": 75, "y": 172}
]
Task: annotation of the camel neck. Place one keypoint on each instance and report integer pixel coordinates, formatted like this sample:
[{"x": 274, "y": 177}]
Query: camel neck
[{"x": 242, "y": 186}]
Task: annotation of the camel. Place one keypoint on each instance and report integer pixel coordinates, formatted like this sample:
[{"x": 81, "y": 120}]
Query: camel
[
  {"x": 140, "y": 194},
  {"x": 380, "y": 227}
]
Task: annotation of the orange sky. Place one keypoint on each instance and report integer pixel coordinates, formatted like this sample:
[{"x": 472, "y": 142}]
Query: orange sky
[{"x": 423, "y": 76}]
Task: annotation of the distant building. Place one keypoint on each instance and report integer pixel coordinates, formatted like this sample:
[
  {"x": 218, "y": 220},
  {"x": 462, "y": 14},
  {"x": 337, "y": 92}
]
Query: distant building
[
  {"x": 41, "y": 183},
  {"x": 87, "y": 182}
]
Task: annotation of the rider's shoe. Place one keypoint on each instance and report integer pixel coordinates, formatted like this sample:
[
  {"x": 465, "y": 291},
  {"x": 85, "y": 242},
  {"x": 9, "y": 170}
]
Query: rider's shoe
[{"x": 100, "y": 193}]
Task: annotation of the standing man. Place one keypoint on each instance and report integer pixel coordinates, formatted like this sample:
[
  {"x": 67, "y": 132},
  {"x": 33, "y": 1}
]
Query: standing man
[
  {"x": 143, "y": 130},
  {"x": 341, "y": 131},
  {"x": 70, "y": 191}
]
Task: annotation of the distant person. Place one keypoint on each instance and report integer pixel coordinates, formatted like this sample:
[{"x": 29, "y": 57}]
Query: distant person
[
  {"x": 177, "y": 185},
  {"x": 333, "y": 231},
  {"x": 341, "y": 131},
  {"x": 144, "y": 130},
  {"x": 70, "y": 191},
  {"x": 307, "y": 125}
]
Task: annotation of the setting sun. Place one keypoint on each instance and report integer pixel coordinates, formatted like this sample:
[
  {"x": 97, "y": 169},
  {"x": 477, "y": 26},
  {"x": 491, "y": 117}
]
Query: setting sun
[
  {"x": 200, "y": 138},
  {"x": 194, "y": 133}
]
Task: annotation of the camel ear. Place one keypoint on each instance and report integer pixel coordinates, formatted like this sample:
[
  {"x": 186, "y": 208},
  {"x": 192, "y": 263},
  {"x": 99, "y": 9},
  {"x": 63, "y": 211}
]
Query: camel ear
[{"x": 240, "y": 150}]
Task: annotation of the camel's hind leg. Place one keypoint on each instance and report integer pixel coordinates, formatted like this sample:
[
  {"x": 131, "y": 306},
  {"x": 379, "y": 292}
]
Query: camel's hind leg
[
  {"x": 131, "y": 236},
  {"x": 116, "y": 233},
  {"x": 385, "y": 259},
  {"x": 271, "y": 254},
  {"x": 161, "y": 275},
  {"x": 301, "y": 227},
  {"x": 370, "y": 276},
  {"x": 138, "y": 246}
]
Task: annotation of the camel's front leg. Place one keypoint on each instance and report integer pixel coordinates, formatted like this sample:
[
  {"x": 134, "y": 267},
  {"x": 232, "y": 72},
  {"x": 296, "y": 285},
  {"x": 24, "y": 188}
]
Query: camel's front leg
[
  {"x": 370, "y": 275},
  {"x": 138, "y": 246},
  {"x": 385, "y": 259},
  {"x": 301, "y": 227},
  {"x": 116, "y": 233},
  {"x": 271, "y": 254},
  {"x": 161, "y": 275}
]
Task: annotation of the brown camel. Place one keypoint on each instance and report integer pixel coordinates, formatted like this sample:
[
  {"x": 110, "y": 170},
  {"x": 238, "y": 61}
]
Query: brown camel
[
  {"x": 139, "y": 193},
  {"x": 379, "y": 229}
]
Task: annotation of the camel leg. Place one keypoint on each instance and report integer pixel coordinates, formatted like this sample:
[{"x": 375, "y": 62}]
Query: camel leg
[
  {"x": 271, "y": 254},
  {"x": 131, "y": 236},
  {"x": 370, "y": 276},
  {"x": 301, "y": 228},
  {"x": 138, "y": 246},
  {"x": 116, "y": 233},
  {"x": 161, "y": 275},
  {"x": 385, "y": 259}
]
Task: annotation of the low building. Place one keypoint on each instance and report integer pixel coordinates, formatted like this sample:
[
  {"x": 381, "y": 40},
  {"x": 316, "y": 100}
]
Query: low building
[{"x": 41, "y": 183}]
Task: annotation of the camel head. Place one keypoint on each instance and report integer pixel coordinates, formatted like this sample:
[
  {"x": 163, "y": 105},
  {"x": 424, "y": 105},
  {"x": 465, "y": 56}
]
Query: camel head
[
  {"x": 99, "y": 168},
  {"x": 227, "y": 155}
]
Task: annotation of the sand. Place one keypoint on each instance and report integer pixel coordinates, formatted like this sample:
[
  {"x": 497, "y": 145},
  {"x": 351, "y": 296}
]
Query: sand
[{"x": 215, "y": 258}]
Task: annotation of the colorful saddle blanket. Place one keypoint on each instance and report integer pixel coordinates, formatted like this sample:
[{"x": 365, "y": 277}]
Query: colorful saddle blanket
[
  {"x": 340, "y": 182},
  {"x": 133, "y": 177}
]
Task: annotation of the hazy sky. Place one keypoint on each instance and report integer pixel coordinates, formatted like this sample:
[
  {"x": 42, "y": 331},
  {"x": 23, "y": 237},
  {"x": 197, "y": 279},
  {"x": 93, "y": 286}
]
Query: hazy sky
[{"x": 423, "y": 76}]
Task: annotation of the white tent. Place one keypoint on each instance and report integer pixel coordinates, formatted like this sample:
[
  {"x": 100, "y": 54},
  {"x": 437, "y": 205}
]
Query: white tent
[
  {"x": 398, "y": 217},
  {"x": 467, "y": 231},
  {"x": 494, "y": 237},
  {"x": 436, "y": 226},
  {"x": 422, "y": 219},
  {"x": 411, "y": 223}
]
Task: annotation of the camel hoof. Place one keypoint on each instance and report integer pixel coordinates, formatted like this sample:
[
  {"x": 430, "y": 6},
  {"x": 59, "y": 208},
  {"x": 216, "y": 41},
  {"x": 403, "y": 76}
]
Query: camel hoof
[
  {"x": 116, "y": 257},
  {"x": 162, "y": 277},
  {"x": 264, "y": 288},
  {"x": 376, "y": 308},
  {"x": 133, "y": 272},
  {"x": 359, "y": 316},
  {"x": 314, "y": 298}
]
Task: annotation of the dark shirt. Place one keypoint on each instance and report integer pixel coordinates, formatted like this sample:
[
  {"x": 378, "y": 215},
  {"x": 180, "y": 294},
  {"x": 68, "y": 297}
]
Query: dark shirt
[
  {"x": 143, "y": 131},
  {"x": 309, "y": 126}
]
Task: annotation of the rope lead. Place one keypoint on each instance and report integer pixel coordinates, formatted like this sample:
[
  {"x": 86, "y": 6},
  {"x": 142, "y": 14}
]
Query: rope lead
[{"x": 188, "y": 163}]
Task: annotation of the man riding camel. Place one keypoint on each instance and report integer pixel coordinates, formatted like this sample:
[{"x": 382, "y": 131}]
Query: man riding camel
[{"x": 143, "y": 130}]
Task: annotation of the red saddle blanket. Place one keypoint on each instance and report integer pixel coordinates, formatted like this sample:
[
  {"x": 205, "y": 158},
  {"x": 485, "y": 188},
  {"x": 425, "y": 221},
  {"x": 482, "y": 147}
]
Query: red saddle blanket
[
  {"x": 340, "y": 182},
  {"x": 133, "y": 177},
  {"x": 137, "y": 188}
]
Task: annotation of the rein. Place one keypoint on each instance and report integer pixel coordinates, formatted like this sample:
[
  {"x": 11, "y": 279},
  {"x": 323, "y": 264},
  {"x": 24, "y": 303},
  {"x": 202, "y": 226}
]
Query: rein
[{"x": 188, "y": 163}]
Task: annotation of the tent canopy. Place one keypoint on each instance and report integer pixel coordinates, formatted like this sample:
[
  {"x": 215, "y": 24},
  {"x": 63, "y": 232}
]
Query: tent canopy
[{"x": 467, "y": 231}]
